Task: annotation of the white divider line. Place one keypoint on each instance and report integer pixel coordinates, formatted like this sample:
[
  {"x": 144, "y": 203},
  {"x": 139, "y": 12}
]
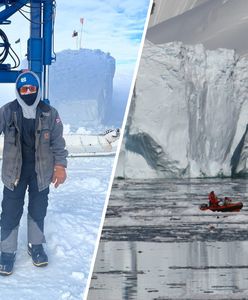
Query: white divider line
[{"x": 118, "y": 150}]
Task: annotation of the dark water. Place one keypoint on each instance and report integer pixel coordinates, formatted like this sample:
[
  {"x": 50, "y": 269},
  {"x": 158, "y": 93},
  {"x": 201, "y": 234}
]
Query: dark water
[{"x": 157, "y": 244}]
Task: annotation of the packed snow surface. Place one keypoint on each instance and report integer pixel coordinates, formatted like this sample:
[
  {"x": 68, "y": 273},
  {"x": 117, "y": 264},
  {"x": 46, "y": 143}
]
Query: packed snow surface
[
  {"x": 189, "y": 113},
  {"x": 71, "y": 227}
]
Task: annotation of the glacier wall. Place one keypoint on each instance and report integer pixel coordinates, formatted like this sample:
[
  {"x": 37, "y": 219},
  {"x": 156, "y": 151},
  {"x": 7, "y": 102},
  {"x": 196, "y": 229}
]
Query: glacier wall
[
  {"x": 189, "y": 113},
  {"x": 82, "y": 86}
]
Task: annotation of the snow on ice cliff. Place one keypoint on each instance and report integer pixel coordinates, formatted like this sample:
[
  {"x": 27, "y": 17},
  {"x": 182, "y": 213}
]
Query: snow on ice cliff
[
  {"x": 189, "y": 113},
  {"x": 82, "y": 86}
]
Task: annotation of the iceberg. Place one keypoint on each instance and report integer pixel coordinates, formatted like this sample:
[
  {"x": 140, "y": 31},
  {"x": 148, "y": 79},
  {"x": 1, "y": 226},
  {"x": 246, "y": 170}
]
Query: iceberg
[{"x": 188, "y": 114}]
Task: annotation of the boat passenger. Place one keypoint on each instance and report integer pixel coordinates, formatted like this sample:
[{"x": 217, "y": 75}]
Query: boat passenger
[
  {"x": 227, "y": 200},
  {"x": 213, "y": 200}
]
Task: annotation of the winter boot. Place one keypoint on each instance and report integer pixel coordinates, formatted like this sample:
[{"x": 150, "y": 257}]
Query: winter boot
[
  {"x": 7, "y": 261},
  {"x": 38, "y": 255}
]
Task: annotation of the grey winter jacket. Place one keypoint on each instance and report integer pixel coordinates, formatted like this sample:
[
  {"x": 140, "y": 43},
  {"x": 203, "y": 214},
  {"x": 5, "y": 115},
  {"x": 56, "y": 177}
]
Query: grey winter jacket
[{"x": 49, "y": 143}]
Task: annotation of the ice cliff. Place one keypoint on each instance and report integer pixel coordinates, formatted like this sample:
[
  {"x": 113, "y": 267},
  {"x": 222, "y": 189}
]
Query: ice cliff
[
  {"x": 189, "y": 114},
  {"x": 82, "y": 86}
]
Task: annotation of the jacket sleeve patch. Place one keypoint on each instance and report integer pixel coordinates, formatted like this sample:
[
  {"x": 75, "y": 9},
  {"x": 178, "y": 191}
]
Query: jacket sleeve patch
[{"x": 46, "y": 136}]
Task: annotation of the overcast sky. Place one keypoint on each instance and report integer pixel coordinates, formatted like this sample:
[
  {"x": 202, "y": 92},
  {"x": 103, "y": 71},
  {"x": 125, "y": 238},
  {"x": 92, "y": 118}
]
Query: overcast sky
[{"x": 110, "y": 25}]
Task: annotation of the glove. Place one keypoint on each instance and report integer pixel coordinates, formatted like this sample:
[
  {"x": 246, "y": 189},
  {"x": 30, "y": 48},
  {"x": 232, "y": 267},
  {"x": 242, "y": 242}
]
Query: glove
[{"x": 59, "y": 175}]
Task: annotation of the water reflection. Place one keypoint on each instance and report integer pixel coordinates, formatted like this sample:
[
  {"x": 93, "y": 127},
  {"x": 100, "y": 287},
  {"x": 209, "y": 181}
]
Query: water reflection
[
  {"x": 141, "y": 270},
  {"x": 130, "y": 284},
  {"x": 156, "y": 243}
]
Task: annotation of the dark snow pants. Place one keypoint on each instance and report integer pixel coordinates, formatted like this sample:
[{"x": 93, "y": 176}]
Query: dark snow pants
[{"x": 12, "y": 209}]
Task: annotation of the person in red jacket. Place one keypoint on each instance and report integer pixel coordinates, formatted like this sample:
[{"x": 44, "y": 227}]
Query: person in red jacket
[{"x": 213, "y": 200}]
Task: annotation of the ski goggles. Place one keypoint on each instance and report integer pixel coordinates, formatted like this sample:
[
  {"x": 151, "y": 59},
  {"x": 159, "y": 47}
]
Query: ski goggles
[{"x": 28, "y": 88}]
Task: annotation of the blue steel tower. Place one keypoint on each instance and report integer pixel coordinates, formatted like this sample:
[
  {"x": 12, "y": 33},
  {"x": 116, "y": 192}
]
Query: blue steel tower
[{"x": 40, "y": 40}]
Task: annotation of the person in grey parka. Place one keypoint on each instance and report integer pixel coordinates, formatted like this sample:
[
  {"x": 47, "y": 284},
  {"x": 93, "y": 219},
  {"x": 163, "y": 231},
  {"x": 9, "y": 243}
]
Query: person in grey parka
[{"x": 34, "y": 155}]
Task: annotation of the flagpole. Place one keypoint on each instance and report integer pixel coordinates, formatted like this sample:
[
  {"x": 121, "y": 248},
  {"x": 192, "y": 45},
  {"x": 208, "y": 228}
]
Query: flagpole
[{"x": 81, "y": 31}]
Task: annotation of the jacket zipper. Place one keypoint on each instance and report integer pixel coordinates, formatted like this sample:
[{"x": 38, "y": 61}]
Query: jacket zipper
[
  {"x": 37, "y": 149},
  {"x": 17, "y": 140}
]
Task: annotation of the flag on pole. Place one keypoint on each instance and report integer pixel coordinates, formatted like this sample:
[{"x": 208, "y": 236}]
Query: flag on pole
[
  {"x": 75, "y": 33},
  {"x": 17, "y": 41},
  {"x": 82, "y": 20}
]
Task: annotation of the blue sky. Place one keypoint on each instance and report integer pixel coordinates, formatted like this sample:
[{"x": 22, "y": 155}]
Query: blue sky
[
  {"x": 113, "y": 26},
  {"x": 110, "y": 25}
]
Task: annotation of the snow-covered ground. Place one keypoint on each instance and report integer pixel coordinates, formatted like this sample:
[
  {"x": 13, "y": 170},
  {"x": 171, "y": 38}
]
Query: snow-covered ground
[{"x": 71, "y": 227}]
